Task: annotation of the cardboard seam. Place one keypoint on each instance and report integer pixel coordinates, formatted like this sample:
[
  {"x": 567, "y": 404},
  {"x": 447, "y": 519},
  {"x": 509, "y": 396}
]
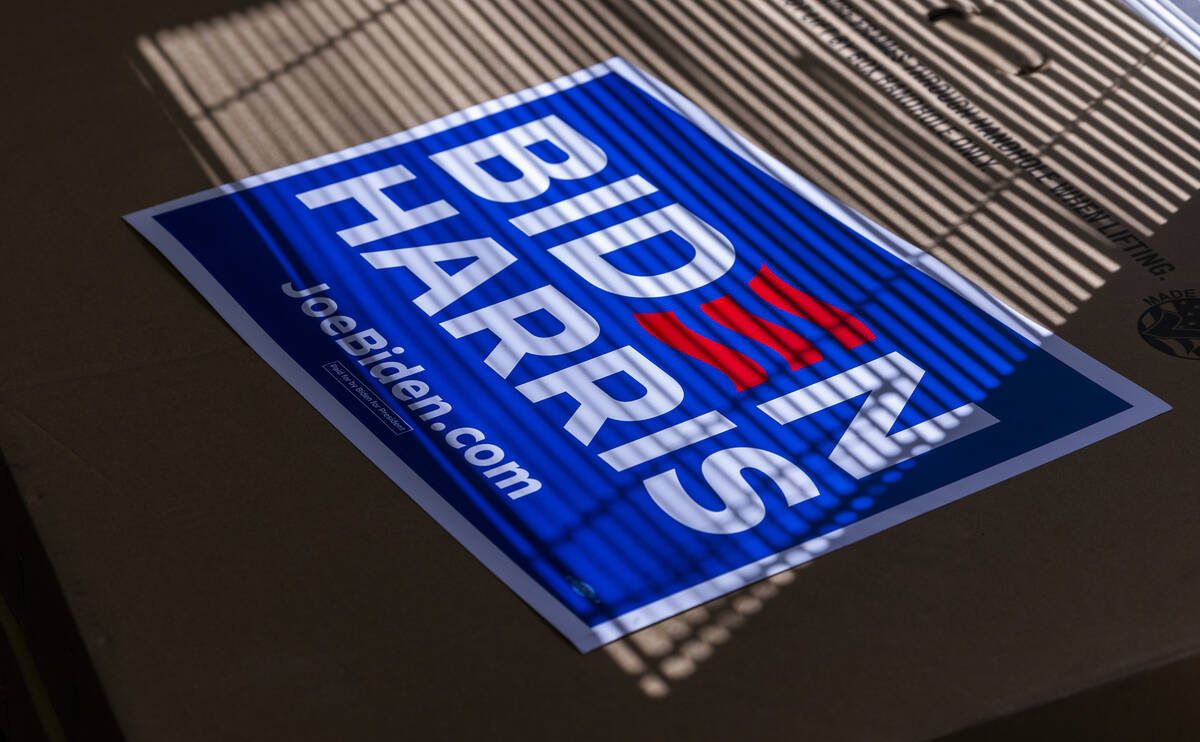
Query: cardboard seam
[{"x": 74, "y": 454}]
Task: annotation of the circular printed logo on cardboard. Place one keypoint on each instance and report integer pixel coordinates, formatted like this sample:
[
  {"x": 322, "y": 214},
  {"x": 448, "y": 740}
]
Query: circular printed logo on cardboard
[{"x": 1172, "y": 325}]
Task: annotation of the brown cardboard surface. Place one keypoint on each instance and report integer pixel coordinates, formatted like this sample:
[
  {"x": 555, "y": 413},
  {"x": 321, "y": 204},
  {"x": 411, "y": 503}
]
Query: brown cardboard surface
[{"x": 248, "y": 576}]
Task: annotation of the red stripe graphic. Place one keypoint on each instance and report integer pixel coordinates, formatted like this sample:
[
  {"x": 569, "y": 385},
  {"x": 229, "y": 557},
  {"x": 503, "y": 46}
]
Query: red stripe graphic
[
  {"x": 848, "y": 330},
  {"x": 741, "y": 369},
  {"x": 796, "y": 350}
]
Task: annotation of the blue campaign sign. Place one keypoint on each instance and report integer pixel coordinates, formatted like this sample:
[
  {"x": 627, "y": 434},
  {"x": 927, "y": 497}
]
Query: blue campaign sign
[{"x": 627, "y": 358}]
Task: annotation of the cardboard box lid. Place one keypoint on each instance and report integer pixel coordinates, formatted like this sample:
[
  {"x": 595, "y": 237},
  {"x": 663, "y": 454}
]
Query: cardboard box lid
[{"x": 250, "y": 575}]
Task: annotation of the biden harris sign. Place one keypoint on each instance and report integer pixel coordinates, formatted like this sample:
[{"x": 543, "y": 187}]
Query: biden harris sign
[{"x": 627, "y": 358}]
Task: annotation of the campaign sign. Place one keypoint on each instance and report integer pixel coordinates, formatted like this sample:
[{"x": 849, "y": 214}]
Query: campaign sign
[{"x": 627, "y": 358}]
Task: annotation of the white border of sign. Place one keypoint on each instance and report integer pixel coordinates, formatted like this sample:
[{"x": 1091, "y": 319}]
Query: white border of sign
[
  {"x": 1172, "y": 21},
  {"x": 1144, "y": 405}
]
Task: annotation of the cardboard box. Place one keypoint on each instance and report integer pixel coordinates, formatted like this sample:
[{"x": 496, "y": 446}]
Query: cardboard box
[{"x": 236, "y": 569}]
